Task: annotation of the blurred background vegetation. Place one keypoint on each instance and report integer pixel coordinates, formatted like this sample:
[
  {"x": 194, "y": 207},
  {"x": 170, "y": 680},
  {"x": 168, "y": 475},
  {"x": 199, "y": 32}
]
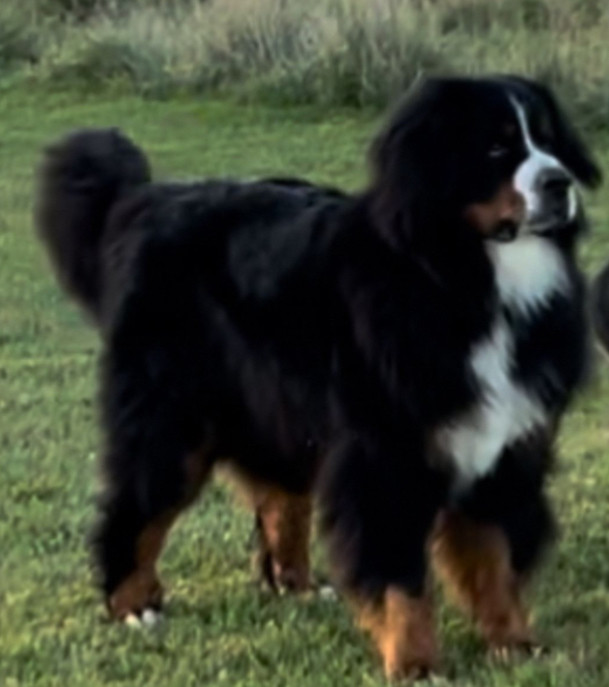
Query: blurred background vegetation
[{"x": 326, "y": 52}]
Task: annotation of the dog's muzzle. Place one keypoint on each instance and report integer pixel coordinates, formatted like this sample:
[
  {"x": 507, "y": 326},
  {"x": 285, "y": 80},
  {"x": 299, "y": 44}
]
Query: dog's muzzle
[
  {"x": 555, "y": 189},
  {"x": 505, "y": 231},
  {"x": 548, "y": 191}
]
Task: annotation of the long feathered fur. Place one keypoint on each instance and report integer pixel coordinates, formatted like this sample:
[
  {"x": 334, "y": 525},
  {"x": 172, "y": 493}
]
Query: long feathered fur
[
  {"x": 318, "y": 339},
  {"x": 80, "y": 180}
]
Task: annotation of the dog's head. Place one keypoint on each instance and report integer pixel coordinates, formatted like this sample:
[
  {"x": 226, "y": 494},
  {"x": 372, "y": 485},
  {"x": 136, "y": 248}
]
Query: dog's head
[{"x": 497, "y": 153}]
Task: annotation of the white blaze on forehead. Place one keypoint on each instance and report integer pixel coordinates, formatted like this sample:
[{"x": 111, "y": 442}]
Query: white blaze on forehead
[
  {"x": 573, "y": 202},
  {"x": 537, "y": 161}
]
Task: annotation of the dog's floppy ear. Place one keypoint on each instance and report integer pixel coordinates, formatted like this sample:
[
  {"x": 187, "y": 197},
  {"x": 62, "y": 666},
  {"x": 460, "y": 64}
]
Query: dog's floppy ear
[
  {"x": 411, "y": 163},
  {"x": 571, "y": 150}
]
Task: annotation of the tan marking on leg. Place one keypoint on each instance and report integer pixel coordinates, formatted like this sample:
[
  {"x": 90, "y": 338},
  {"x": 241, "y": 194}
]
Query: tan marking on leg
[
  {"x": 402, "y": 628},
  {"x": 142, "y": 588},
  {"x": 285, "y": 521},
  {"x": 473, "y": 561},
  {"x": 283, "y": 527}
]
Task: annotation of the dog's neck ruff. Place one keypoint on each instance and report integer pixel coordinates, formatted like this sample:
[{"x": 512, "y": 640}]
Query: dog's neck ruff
[{"x": 528, "y": 272}]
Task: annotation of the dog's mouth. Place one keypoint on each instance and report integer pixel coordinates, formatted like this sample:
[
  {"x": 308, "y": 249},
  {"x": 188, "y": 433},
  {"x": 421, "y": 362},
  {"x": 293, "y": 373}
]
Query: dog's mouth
[
  {"x": 555, "y": 215},
  {"x": 550, "y": 225},
  {"x": 547, "y": 230},
  {"x": 504, "y": 231}
]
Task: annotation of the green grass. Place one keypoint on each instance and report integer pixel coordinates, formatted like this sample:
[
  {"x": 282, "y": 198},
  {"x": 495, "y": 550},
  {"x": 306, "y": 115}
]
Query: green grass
[{"x": 222, "y": 630}]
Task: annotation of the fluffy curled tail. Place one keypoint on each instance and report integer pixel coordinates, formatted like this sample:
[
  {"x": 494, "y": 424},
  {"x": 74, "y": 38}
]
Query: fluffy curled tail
[{"x": 81, "y": 178}]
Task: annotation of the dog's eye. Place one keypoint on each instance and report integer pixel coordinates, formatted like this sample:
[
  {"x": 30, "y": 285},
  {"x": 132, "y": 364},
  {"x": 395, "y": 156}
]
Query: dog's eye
[{"x": 498, "y": 150}]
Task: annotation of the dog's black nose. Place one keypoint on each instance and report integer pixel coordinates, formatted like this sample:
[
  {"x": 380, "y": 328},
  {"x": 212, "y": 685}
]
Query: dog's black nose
[{"x": 555, "y": 182}]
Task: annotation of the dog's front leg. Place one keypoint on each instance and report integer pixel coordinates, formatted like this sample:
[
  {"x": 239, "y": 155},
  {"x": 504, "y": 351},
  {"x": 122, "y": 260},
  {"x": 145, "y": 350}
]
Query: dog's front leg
[{"x": 378, "y": 509}]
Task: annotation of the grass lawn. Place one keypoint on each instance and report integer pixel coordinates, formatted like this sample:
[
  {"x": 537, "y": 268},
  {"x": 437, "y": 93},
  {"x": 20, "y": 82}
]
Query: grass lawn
[{"x": 222, "y": 630}]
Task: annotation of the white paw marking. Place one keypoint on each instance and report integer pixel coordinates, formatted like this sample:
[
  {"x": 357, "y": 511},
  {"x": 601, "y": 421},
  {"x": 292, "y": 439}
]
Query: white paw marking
[
  {"x": 327, "y": 593},
  {"x": 132, "y": 620},
  {"x": 151, "y": 618},
  {"x": 148, "y": 619}
]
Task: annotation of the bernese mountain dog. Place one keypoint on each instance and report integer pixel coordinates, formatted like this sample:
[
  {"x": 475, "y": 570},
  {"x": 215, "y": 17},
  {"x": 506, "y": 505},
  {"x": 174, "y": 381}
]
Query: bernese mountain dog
[{"x": 402, "y": 355}]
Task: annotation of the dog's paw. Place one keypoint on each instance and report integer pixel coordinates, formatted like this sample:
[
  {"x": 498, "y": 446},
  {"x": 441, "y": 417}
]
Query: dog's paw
[
  {"x": 413, "y": 673},
  {"x": 326, "y": 592},
  {"x": 509, "y": 652},
  {"x": 147, "y": 619}
]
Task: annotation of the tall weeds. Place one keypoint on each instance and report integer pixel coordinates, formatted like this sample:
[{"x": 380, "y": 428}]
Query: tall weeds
[{"x": 329, "y": 52}]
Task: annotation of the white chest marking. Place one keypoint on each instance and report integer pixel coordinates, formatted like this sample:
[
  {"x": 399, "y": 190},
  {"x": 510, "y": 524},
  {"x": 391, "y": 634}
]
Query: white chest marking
[{"x": 528, "y": 272}]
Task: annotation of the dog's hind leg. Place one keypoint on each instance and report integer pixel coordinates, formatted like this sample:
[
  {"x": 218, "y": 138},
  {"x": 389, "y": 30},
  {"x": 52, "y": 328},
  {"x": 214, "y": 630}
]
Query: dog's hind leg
[
  {"x": 283, "y": 525},
  {"x": 131, "y": 534}
]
